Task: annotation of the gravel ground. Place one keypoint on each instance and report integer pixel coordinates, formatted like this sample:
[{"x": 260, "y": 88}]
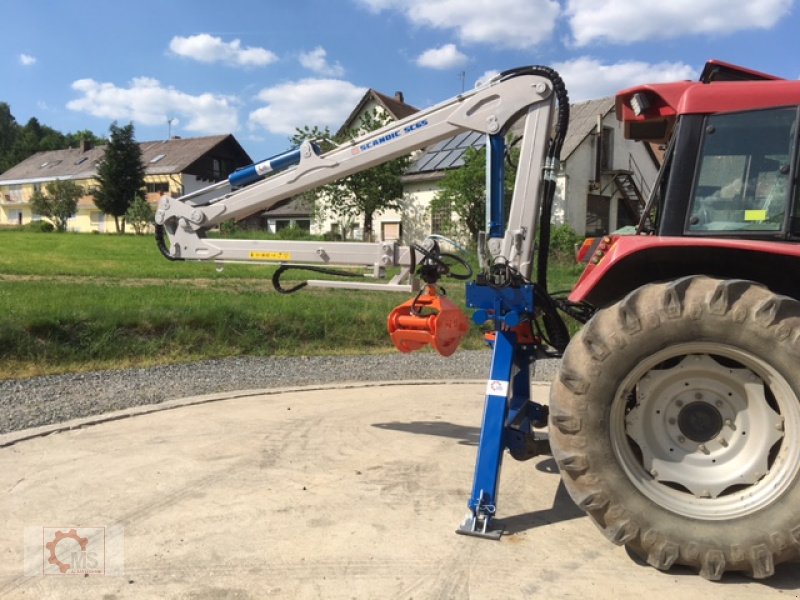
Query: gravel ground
[{"x": 53, "y": 399}]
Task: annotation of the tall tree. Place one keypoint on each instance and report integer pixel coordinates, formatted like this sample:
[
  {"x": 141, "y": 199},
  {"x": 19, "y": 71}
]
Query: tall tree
[
  {"x": 58, "y": 202},
  {"x": 362, "y": 194},
  {"x": 120, "y": 175}
]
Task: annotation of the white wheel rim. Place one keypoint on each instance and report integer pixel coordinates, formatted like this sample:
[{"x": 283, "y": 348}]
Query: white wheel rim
[{"x": 714, "y": 432}]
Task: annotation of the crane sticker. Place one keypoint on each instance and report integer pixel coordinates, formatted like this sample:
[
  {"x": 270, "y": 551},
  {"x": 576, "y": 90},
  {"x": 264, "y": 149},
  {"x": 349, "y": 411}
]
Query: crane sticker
[
  {"x": 389, "y": 137},
  {"x": 257, "y": 255}
]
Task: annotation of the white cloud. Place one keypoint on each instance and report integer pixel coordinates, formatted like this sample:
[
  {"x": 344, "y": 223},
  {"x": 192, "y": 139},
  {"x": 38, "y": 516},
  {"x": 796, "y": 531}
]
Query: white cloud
[
  {"x": 446, "y": 57},
  {"x": 207, "y": 48},
  {"x": 623, "y": 22},
  {"x": 506, "y": 23},
  {"x": 317, "y": 61},
  {"x": 26, "y": 60},
  {"x": 587, "y": 78},
  {"x": 322, "y": 102},
  {"x": 148, "y": 102},
  {"x": 484, "y": 79}
]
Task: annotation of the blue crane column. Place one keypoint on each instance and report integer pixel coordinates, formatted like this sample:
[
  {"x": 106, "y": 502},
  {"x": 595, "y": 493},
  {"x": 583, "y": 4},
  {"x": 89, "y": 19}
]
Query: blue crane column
[{"x": 508, "y": 413}]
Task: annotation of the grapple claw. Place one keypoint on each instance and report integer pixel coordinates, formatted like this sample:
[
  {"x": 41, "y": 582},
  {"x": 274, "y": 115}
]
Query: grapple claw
[{"x": 428, "y": 319}]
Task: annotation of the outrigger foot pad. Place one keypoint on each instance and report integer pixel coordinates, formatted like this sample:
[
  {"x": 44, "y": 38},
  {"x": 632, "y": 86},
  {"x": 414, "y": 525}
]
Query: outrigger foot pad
[{"x": 478, "y": 526}]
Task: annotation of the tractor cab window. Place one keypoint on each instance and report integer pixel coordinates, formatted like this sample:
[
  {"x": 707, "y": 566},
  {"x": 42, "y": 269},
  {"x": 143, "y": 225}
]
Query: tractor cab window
[{"x": 742, "y": 182}]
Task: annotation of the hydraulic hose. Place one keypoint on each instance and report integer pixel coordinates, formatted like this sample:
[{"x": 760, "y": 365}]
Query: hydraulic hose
[
  {"x": 161, "y": 242},
  {"x": 557, "y": 331}
]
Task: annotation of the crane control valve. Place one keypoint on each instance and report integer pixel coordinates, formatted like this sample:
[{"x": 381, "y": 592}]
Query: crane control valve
[{"x": 429, "y": 318}]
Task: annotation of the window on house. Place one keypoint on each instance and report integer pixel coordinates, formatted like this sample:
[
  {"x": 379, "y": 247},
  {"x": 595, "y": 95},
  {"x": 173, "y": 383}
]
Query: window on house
[
  {"x": 391, "y": 231},
  {"x": 604, "y": 152},
  {"x": 157, "y": 187},
  {"x": 442, "y": 220},
  {"x": 597, "y": 215},
  {"x": 216, "y": 168},
  {"x": 157, "y": 158},
  {"x": 607, "y": 149}
]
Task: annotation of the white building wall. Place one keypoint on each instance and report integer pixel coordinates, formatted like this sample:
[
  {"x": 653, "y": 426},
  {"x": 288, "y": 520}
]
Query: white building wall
[{"x": 578, "y": 172}]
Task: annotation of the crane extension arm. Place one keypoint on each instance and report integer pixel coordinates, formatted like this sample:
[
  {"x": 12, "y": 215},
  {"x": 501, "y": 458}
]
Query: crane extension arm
[{"x": 181, "y": 223}]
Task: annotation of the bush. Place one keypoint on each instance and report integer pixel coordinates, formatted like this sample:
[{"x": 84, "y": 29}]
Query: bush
[
  {"x": 140, "y": 215},
  {"x": 295, "y": 233},
  {"x": 40, "y": 227},
  {"x": 563, "y": 242}
]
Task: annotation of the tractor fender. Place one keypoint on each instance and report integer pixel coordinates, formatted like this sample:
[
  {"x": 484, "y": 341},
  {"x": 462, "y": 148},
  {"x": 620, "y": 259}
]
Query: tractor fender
[{"x": 621, "y": 264}]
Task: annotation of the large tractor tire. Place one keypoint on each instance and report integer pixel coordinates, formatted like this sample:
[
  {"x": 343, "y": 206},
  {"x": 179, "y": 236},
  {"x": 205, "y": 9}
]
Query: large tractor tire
[{"x": 675, "y": 422}]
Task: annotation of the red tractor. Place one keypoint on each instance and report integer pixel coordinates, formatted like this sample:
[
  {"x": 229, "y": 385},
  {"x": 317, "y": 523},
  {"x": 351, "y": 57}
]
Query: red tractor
[{"x": 675, "y": 418}]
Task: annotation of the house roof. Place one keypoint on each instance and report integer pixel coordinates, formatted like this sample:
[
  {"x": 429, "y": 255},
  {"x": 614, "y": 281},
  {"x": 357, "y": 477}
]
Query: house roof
[
  {"x": 159, "y": 157},
  {"x": 583, "y": 121},
  {"x": 295, "y": 207},
  {"x": 396, "y": 107}
]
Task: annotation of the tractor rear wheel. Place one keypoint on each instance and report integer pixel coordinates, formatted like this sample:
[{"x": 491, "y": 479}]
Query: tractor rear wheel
[{"x": 675, "y": 421}]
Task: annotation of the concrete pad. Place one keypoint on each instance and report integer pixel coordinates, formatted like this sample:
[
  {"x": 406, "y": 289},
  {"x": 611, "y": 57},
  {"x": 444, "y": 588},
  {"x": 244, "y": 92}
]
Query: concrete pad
[{"x": 347, "y": 492}]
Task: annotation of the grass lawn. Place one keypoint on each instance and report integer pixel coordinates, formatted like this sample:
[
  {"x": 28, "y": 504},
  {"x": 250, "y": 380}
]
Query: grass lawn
[{"x": 77, "y": 302}]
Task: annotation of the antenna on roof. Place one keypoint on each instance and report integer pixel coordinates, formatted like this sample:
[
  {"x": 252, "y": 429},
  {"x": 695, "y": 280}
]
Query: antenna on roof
[
  {"x": 462, "y": 75},
  {"x": 169, "y": 127}
]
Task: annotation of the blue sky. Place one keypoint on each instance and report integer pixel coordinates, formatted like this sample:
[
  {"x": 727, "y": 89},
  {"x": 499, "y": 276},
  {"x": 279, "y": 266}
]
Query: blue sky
[{"x": 258, "y": 69}]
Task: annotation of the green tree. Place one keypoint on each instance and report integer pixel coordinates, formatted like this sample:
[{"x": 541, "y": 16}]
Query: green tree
[
  {"x": 73, "y": 140},
  {"x": 362, "y": 194},
  {"x": 9, "y": 129},
  {"x": 139, "y": 215},
  {"x": 58, "y": 202},
  {"x": 120, "y": 175},
  {"x": 462, "y": 193},
  {"x": 18, "y": 142}
]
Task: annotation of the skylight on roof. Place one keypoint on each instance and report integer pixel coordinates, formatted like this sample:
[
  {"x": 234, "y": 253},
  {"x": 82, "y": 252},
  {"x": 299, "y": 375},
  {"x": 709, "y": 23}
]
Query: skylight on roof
[
  {"x": 81, "y": 160},
  {"x": 157, "y": 158}
]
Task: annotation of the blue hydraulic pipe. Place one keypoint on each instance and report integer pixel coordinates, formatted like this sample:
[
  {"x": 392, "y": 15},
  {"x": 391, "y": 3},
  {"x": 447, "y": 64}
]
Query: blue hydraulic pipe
[
  {"x": 495, "y": 186},
  {"x": 259, "y": 170}
]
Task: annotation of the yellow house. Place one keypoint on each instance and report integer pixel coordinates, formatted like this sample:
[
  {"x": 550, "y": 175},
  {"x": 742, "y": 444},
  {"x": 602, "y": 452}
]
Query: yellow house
[{"x": 176, "y": 166}]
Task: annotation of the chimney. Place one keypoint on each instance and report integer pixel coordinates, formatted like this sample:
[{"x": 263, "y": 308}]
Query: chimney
[
  {"x": 399, "y": 97},
  {"x": 86, "y": 145}
]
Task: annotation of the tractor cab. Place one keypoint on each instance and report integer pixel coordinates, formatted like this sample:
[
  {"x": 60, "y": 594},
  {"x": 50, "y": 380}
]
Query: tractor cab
[{"x": 727, "y": 188}]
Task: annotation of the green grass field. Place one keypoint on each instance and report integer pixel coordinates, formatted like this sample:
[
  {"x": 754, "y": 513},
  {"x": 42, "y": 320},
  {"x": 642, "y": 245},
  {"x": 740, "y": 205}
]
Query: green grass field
[{"x": 76, "y": 302}]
